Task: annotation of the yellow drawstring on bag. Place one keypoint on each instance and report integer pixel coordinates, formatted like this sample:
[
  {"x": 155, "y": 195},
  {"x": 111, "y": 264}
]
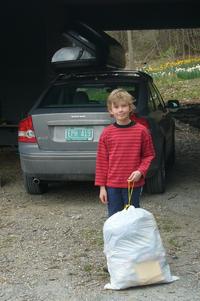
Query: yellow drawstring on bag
[{"x": 130, "y": 192}]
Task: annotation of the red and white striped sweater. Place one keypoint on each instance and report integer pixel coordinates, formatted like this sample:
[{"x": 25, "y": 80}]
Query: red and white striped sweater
[{"x": 122, "y": 150}]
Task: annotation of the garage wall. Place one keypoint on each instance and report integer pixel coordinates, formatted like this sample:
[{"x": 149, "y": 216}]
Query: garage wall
[
  {"x": 22, "y": 63},
  {"x": 29, "y": 34},
  {"x": 28, "y": 39}
]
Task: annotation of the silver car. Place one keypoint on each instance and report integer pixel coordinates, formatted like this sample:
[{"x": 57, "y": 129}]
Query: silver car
[{"x": 58, "y": 139}]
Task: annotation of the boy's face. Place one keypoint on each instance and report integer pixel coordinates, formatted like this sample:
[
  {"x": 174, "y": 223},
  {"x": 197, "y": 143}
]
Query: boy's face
[{"x": 121, "y": 112}]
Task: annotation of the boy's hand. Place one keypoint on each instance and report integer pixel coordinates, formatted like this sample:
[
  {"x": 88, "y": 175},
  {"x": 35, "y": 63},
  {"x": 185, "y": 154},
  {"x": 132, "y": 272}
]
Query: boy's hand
[
  {"x": 135, "y": 176},
  {"x": 103, "y": 195}
]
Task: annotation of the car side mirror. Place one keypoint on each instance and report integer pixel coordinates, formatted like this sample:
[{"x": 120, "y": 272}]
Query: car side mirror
[{"x": 173, "y": 105}]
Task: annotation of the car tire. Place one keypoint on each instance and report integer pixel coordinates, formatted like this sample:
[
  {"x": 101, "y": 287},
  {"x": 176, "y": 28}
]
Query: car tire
[
  {"x": 34, "y": 188},
  {"x": 156, "y": 184}
]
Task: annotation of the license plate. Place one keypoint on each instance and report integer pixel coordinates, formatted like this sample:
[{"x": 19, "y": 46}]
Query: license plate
[{"x": 79, "y": 134}]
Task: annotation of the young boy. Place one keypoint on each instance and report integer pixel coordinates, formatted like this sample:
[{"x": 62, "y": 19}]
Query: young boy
[{"x": 125, "y": 151}]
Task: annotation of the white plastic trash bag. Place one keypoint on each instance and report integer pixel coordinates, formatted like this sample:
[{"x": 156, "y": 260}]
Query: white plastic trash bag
[{"x": 134, "y": 250}]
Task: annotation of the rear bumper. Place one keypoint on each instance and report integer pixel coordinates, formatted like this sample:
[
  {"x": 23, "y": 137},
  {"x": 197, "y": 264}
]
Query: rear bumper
[{"x": 58, "y": 165}]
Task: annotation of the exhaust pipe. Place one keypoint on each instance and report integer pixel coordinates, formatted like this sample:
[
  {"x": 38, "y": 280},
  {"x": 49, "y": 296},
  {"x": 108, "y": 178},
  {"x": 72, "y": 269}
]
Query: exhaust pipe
[{"x": 36, "y": 181}]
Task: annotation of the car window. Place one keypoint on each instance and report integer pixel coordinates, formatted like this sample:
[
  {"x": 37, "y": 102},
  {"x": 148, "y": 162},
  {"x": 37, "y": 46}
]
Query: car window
[
  {"x": 151, "y": 102},
  {"x": 156, "y": 101},
  {"x": 83, "y": 95}
]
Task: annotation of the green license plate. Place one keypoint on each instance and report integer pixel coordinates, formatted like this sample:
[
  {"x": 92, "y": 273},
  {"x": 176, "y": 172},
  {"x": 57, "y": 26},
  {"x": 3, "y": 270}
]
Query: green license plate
[{"x": 79, "y": 134}]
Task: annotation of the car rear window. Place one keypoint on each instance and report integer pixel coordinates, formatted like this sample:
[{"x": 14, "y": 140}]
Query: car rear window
[{"x": 87, "y": 95}]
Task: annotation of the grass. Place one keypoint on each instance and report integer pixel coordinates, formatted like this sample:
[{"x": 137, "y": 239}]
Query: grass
[
  {"x": 173, "y": 88},
  {"x": 178, "y": 79}
]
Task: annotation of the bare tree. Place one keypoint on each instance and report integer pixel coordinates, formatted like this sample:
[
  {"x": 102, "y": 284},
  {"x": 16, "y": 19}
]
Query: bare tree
[{"x": 142, "y": 46}]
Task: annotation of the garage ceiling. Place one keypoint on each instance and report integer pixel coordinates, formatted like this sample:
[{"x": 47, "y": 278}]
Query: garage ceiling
[
  {"x": 134, "y": 14},
  {"x": 108, "y": 14}
]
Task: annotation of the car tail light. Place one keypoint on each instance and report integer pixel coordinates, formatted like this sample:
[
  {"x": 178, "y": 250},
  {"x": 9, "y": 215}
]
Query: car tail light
[{"x": 26, "y": 131}]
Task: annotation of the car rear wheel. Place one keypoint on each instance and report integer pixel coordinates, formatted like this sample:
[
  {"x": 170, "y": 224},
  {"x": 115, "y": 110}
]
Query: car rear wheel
[
  {"x": 33, "y": 187},
  {"x": 156, "y": 184}
]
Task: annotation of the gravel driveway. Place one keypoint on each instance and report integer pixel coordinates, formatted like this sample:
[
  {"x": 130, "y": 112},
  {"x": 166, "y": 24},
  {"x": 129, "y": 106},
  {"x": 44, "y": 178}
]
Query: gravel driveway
[{"x": 51, "y": 245}]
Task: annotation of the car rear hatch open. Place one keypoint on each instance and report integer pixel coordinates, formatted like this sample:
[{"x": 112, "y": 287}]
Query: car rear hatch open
[{"x": 85, "y": 47}]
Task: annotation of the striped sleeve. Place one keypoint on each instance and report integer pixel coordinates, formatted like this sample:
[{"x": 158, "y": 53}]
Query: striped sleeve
[{"x": 101, "y": 162}]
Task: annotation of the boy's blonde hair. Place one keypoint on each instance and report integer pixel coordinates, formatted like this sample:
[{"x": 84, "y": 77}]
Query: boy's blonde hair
[{"x": 120, "y": 95}]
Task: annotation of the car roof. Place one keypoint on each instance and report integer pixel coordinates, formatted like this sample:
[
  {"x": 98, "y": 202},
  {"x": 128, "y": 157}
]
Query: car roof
[{"x": 103, "y": 74}]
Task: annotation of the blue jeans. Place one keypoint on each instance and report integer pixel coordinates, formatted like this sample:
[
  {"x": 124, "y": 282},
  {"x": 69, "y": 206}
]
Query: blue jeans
[{"x": 118, "y": 198}]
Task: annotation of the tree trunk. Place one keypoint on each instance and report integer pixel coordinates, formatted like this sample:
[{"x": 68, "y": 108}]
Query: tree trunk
[{"x": 130, "y": 49}]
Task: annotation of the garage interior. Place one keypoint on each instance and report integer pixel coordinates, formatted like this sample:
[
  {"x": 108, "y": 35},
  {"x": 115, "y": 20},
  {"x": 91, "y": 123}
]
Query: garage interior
[{"x": 31, "y": 33}]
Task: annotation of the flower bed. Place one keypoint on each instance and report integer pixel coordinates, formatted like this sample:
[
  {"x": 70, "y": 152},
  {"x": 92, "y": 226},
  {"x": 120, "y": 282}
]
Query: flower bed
[{"x": 183, "y": 69}]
